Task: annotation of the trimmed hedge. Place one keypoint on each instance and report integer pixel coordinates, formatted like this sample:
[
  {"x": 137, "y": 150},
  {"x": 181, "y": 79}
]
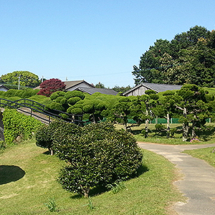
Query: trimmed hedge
[
  {"x": 17, "y": 124},
  {"x": 97, "y": 155}
]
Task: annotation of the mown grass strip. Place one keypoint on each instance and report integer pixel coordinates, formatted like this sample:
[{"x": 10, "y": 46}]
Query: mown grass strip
[{"x": 205, "y": 154}]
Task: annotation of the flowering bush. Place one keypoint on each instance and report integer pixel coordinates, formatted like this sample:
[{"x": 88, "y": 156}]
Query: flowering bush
[{"x": 195, "y": 140}]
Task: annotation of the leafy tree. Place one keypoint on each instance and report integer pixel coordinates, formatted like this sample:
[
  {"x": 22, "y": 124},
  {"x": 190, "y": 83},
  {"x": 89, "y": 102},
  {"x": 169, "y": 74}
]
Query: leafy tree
[
  {"x": 121, "y": 89},
  {"x": 149, "y": 101},
  {"x": 96, "y": 156},
  {"x": 26, "y": 78},
  {"x": 188, "y": 58},
  {"x": 99, "y": 85},
  {"x": 50, "y": 86},
  {"x": 121, "y": 111},
  {"x": 192, "y": 102},
  {"x": 166, "y": 107}
]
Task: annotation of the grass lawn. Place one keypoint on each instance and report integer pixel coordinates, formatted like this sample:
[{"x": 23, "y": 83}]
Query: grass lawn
[
  {"x": 204, "y": 154},
  {"x": 28, "y": 180},
  {"x": 155, "y": 137}
]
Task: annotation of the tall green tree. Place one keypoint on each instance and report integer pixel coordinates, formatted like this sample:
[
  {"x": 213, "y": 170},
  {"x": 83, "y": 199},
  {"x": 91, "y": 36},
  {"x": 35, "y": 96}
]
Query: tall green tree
[
  {"x": 26, "y": 78},
  {"x": 193, "y": 105},
  {"x": 188, "y": 58}
]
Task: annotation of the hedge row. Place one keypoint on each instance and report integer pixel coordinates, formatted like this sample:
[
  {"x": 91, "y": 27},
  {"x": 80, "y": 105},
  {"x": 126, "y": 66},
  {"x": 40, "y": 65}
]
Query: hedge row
[{"x": 17, "y": 124}]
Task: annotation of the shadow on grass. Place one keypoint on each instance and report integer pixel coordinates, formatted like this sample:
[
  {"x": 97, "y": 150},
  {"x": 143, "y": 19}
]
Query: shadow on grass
[
  {"x": 47, "y": 153},
  {"x": 207, "y": 133},
  {"x": 101, "y": 189},
  {"x": 142, "y": 169},
  {"x": 10, "y": 174}
]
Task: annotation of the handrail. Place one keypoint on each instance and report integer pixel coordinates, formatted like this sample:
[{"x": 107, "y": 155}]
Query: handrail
[
  {"x": 43, "y": 107},
  {"x": 16, "y": 105}
]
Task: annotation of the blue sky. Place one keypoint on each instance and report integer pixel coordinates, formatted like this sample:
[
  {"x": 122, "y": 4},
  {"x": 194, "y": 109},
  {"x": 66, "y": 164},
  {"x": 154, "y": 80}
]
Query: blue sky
[{"x": 91, "y": 40}]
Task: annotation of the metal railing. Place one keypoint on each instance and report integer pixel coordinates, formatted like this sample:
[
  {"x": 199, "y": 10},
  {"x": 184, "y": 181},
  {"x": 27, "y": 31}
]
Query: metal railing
[{"x": 39, "y": 108}]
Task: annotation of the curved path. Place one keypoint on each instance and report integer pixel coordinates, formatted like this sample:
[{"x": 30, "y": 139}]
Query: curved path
[{"x": 198, "y": 183}]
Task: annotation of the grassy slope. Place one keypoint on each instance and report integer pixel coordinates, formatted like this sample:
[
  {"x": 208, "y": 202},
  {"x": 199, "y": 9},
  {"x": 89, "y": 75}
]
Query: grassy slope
[
  {"x": 204, "y": 154},
  {"x": 150, "y": 193}
]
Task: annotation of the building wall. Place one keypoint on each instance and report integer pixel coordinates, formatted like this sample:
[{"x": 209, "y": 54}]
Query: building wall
[
  {"x": 138, "y": 92},
  {"x": 3, "y": 89},
  {"x": 79, "y": 85}
]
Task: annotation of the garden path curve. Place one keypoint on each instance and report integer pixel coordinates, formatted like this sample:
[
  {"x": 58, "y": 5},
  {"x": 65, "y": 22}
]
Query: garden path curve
[{"x": 198, "y": 182}]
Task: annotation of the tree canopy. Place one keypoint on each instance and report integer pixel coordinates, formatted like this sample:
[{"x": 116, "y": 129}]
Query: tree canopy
[
  {"x": 188, "y": 58},
  {"x": 26, "y": 78},
  {"x": 50, "y": 86}
]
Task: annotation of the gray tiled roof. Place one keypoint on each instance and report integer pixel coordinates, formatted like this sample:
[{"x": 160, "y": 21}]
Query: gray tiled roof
[
  {"x": 95, "y": 90},
  {"x": 70, "y": 84},
  {"x": 4, "y": 87},
  {"x": 156, "y": 87},
  {"x": 162, "y": 87}
]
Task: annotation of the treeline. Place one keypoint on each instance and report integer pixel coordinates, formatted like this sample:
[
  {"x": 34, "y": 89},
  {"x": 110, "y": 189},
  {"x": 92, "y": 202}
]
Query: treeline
[
  {"x": 188, "y": 58},
  {"x": 192, "y": 105}
]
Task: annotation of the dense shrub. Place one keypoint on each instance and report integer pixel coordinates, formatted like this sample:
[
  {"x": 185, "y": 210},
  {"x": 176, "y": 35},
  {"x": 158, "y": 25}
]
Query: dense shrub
[
  {"x": 17, "y": 124},
  {"x": 10, "y": 93},
  {"x": 44, "y": 135},
  {"x": 97, "y": 155},
  {"x": 75, "y": 93}
]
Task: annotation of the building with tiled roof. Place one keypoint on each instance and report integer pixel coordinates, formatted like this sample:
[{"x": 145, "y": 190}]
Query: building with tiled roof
[{"x": 141, "y": 88}]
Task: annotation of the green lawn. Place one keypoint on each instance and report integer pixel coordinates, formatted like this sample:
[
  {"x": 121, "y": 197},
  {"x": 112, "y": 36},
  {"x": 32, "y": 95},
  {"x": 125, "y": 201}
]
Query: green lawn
[
  {"x": 155, "y": 137},
  {"x": 28, "y": 180},
  {"x": 206, "y": 154}
]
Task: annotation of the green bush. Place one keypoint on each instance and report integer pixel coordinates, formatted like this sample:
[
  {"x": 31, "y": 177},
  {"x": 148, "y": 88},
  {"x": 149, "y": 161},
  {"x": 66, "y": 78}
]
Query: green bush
[
  {"x": 2, "y": 145},
  {"x": 17, "y": 124},
  {"x": 2, "y": 94},
  {"x": 44, "y": 135},
  {"x": 159, "y": 127},
  {"x": 43, "y": 138},
  {"x": 74, "y": 93},
  {"x": 172, "y": 132},
  {"x": 57, "y": 94},
  {"x": 73, "y": 100},
  {"x": 55, "y": 105},
  {"x": 98, "y": 155},
  {"x": 10, "y": 93}
]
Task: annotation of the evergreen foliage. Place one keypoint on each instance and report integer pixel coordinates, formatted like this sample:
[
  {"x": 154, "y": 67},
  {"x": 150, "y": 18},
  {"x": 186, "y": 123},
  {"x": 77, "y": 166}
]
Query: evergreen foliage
[
  {"x": 26, "y": 79},
  {"x": 188, "y": 58},
  {"x": 97, "y": 155}
]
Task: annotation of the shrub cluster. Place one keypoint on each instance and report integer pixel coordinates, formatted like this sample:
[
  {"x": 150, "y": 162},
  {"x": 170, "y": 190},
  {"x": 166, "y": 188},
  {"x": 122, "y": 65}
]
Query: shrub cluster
[
  {"x": 17, "y": 124},
  {"x": 44, "y": 135},
  {"x": 96, "y": 155},
  {"x": 26, "y": 93}
]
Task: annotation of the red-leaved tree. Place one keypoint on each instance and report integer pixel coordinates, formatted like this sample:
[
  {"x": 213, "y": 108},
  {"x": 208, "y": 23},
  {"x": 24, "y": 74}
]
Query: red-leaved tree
[{"x": 50, "y": 86}]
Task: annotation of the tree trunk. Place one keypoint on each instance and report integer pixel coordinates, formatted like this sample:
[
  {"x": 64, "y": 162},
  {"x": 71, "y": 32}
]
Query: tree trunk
[
  {"x": 51, "y": 151},
  {"x": 193, "y": 135},
  {"x": 185, "y": 126},
  {"x": 94, "y": 119},
  {"x": 168, "y": 125},
  {"x": 86, "y": 192},
  {"x": 146, "y": 128}
]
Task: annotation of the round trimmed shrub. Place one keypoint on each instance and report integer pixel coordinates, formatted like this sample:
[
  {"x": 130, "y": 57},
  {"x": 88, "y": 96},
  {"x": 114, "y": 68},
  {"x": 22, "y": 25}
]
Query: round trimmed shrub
[{"x": 98, "y": 155}]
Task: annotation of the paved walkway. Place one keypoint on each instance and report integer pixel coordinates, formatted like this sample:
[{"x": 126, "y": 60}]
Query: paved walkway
[{"x": 198, "y": 183}]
